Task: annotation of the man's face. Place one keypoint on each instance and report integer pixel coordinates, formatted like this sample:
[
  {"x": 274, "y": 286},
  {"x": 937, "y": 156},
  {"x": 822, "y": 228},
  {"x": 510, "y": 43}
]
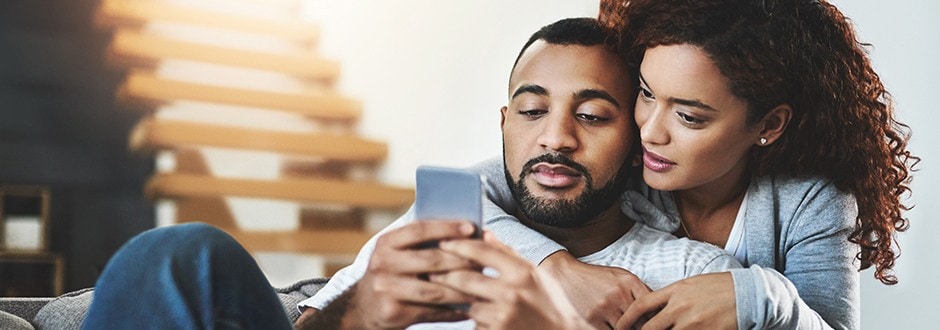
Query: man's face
[{"x": 567, "y": 132}]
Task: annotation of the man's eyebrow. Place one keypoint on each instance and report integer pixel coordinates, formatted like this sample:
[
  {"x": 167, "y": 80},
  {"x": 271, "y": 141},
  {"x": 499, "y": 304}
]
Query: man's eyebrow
[
  {"x": 588, "y": 94},
  {"x": 529, "y": 88},
  {"x": 685, "y": 102}
]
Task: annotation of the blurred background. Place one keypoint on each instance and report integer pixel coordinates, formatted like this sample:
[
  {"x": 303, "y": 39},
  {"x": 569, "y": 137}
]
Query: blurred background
[{"x": 117, "y": 116}]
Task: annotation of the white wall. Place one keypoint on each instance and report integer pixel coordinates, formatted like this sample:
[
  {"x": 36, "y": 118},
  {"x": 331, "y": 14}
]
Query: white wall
[
  {"x": 433, "y": 74},
  {"x": 906, "y": 40}
]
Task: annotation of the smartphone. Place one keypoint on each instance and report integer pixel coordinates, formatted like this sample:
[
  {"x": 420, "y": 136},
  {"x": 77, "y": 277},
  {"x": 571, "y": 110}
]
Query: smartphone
[{"x": 449, "y": 194}]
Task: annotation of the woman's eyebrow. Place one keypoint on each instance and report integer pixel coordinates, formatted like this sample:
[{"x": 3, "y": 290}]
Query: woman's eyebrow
[{"x": 685, "y": 102}]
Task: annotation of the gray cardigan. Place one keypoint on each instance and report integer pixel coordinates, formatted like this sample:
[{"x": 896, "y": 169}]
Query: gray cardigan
[{"x": 801, "y": 270}]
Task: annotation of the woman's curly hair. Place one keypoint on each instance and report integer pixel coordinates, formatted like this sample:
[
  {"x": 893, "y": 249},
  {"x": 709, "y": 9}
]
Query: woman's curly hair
[{"x": 804, "y": 53}]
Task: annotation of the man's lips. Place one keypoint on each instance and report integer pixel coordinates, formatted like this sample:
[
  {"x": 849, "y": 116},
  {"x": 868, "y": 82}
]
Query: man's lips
[
  {"x": 655, "y": 162},
  {"x": 555, "y": 176}
]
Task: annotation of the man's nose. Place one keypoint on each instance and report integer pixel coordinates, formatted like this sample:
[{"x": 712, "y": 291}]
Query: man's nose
[{"x": 559, "y": 133}]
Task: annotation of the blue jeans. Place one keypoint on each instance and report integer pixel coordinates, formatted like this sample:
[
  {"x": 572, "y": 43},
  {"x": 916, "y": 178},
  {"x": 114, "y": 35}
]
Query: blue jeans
[{"x": 190, "y": 276}]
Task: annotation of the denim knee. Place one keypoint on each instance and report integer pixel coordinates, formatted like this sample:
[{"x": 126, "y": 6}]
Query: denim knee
[{"x": 184, "y": 239}]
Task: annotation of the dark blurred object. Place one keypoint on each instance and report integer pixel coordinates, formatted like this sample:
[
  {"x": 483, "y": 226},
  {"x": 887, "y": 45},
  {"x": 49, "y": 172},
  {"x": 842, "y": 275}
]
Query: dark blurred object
[{"x": 60, "y": 127}]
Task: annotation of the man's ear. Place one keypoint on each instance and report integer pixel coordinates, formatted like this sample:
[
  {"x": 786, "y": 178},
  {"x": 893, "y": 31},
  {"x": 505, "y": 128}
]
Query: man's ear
[
  {"x": 502, "y": 116},
  {"x": 774, "y": 124}
]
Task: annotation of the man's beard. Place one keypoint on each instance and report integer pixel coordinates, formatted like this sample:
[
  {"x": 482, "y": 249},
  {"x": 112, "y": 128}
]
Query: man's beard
[{"x": 566, "y": 213}]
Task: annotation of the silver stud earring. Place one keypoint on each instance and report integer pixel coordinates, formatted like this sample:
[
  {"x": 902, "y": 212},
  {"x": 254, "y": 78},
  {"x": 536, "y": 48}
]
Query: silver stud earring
[{"x": 763, "y": 141}]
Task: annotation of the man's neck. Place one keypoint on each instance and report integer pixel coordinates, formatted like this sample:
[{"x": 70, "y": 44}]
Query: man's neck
[{"x": 595, "y": 235}]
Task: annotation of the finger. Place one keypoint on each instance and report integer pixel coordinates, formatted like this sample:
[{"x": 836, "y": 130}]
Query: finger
[
  {"x": 491, "y": 315},
  {"x": 438, "y": 313},
  {"x": 406, "y": 313},
  {"x": 472, "y": 283},
  {"x": 418, "y": 262},
  {"x": 415, "y": 291},
  {"x": 664, "y": 319},
  {"x": 647, "y": 304},
  {"x": 639, "y": 291},
  {"x": 488, "y": 255},
  {"x": 418, "y": 232}
]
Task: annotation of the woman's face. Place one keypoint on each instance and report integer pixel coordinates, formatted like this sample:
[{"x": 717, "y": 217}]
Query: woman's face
[{"x": 694, "y": 130}]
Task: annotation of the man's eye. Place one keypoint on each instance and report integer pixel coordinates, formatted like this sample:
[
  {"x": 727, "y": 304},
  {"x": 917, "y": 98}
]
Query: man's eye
[{"x": 532, "y": 113}]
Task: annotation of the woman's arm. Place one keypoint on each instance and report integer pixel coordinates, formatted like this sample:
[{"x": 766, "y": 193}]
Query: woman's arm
[
  {"x": 801, "y": 227},
  {"x": 816, "y": 259}
]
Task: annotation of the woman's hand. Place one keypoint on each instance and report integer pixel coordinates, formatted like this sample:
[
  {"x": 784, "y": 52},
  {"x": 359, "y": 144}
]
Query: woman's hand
[
  {"x": 699, "y": 302},
  {"x": 601, "y": 294},
  {"x": 520, "y": 297}
]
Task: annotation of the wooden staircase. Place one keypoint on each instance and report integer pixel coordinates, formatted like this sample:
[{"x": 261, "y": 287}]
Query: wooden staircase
[{"x": 321, "y": 169}]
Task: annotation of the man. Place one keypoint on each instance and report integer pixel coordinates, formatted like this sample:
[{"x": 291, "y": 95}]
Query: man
[{"x": 567, "y": 138}]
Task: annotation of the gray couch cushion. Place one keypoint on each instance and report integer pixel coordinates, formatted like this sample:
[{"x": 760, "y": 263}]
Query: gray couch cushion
[
  {"x": 25, "y": 308},
  {"x": 12, "y": 322},
  {"x": 68, "y": 311},
  {"x": 65, "y": 312}
]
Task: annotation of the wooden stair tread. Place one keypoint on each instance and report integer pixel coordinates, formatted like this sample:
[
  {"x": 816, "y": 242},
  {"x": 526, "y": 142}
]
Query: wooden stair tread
[
  {"x": 153, "y": 133},
  {"x": 138, "y": 12},
  {"x": 304, "y": 241},
  {"x": 328, "y": 106},
  {"x": 355, "y": 194},
  {"x": 152, "y": 47}
]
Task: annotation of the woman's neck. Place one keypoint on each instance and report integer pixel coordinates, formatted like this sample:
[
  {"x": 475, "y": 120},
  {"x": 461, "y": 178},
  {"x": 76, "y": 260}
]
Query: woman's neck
[{"x": 708, "y": 211}]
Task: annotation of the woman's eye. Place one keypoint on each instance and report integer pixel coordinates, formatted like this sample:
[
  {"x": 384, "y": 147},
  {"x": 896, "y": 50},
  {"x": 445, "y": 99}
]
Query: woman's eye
[
  {"x": 689, "y": 119},
  {"x": 646, "y": 94}
]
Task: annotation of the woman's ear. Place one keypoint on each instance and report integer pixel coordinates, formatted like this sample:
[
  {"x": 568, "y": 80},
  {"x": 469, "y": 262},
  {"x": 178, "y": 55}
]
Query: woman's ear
[
  {"x": 774, "y": 124},
  {"x": 502, "y": 116}
]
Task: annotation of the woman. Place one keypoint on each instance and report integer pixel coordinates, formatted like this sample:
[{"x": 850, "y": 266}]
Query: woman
[{"x": 765, "y": 131}]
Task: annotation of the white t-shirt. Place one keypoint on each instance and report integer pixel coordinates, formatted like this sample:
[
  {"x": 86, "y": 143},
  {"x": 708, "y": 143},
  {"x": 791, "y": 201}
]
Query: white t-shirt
[{"x": 736, "y": 245}]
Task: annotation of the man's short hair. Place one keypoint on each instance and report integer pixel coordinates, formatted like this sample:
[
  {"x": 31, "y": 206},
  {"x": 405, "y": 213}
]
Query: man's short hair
[{"x": 581, "y": 31}]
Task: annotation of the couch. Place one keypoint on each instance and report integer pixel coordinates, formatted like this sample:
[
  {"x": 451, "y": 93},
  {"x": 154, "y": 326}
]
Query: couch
[{"x": 68, "y": 311}]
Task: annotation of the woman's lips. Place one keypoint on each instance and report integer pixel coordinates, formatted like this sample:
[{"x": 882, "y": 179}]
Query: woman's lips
[
  {"x": 555, "y": 176},
  {"x": 656, "y": 163}
]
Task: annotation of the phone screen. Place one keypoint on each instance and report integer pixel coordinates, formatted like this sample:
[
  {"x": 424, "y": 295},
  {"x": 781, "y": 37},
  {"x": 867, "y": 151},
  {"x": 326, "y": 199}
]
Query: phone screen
[{"x": 449, "y": 194}]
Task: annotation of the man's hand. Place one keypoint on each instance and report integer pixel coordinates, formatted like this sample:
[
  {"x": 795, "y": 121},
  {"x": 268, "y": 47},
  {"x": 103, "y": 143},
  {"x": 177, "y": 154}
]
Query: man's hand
[
  {"x": 699, "y": 302},
  {"x": 601, "y": 294},
  {"x": 393, "y": 293},
  {"x": 520, "y": 297}
]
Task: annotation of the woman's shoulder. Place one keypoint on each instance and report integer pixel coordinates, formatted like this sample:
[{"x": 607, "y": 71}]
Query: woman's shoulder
[
  {"x": 801, "y": 201},
  {"x": 799, "y": 190}
]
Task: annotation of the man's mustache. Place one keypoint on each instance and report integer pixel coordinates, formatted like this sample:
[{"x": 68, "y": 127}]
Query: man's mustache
[{"x": 555, "y": 159}]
